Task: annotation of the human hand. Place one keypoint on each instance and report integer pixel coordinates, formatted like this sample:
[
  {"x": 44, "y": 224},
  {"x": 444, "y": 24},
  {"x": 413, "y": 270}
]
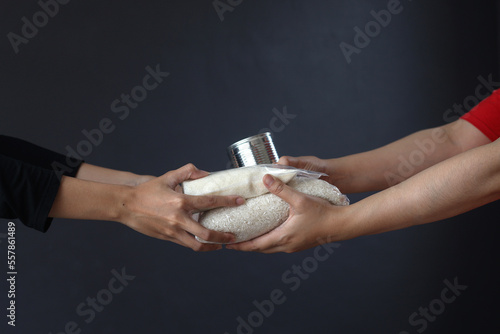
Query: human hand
[
  {"x": 308, "y": 163},
  {"x": 155, "y": 209},
  {"x": 309, "y": 222}
]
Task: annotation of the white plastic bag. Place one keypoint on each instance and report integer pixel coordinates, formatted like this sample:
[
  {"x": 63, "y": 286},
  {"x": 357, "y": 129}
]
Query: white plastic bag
[{"x": 244, "y": 181}]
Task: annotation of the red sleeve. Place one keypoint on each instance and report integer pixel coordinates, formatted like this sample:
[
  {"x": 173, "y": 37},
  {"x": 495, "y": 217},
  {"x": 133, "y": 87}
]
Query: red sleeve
[{"x": 486, "y": 116}]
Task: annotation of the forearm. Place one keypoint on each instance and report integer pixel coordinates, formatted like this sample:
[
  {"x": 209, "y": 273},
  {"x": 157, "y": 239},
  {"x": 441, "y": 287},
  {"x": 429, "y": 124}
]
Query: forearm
[
  {"x": 81, "y": 199},
  {"x": 454, "y": 186},
  {"x": 152, "y": 208},
  {"x": 386, "y": 166},
  {"x": 106, "y": 175}
]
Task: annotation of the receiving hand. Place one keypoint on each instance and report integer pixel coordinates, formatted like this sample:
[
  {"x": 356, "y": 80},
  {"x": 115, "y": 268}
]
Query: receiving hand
[
  {"x": 308, "y": 163},
  {"x": 155, "y": 209},
  {"x": 309, "y": 222}
]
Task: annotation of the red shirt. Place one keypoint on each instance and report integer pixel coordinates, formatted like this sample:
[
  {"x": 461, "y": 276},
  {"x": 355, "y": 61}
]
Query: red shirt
[{"x": 486, "y": 116}]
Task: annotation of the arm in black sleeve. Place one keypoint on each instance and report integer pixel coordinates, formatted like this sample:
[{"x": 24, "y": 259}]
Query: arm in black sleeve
[
  {"x": 29, "y": 180},
  {"x": 35, "y": 155},
  {"x": 27, "y": 192}
]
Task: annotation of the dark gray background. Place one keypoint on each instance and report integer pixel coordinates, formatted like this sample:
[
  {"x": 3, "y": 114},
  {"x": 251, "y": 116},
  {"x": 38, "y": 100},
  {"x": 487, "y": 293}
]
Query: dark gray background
[{"x": 226, "y": 77}]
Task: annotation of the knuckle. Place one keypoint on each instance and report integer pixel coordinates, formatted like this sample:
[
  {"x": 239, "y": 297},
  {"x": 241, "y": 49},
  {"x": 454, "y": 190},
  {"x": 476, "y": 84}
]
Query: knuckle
[
  {"x": 302, "y": 201},
  {"x": 212, "y": 201},
  {"x": 278, "y": 187},
  {"x": 175, "y": 220},
  {"x": 285, "y": 160},
  {"x": 167, "y": 233},
  {"x": 206, "y": 235},
  {"x": 190, "y": 167},
  {"x": 253, "y": 247},
  {"x": 181, "y": 202},
  {"x": 175, "y": 225},
  {"x": 284, "y": 240},
  {"x": 290, "y": 244}
]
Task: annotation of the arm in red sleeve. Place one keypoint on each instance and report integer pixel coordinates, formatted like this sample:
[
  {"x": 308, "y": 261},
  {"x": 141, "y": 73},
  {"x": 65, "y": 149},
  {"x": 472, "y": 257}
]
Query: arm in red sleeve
[{"x": 486, "y": 116}]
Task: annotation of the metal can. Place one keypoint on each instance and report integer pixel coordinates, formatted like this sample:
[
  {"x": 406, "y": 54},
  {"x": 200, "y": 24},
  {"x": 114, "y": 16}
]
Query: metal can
[{"x": 254, "y": 150}]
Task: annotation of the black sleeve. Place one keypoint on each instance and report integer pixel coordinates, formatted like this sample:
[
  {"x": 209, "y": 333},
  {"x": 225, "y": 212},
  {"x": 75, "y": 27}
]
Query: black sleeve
[
  {"x": 29, "y": 181},
  {"x": 38, "y": 156}
]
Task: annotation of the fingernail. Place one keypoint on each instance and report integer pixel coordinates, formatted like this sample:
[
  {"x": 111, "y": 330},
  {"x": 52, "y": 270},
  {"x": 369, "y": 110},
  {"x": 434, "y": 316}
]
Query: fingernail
[
  {"x": 268, "y": 180},
  {"x": 240, "y": 200}
]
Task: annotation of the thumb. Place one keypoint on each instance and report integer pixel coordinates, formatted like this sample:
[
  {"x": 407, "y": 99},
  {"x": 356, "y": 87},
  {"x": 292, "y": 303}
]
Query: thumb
[
  {"x": 203, "y": 203},
  {"x": 287, "y": 161},
  {"x": 186, "y": 172},
  {"x": 280, "y": 189}
]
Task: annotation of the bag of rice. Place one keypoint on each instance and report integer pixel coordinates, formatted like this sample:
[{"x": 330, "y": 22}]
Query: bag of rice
[
  {"x": 245, "y": 181},
  {"x": 262, "y": 211}
]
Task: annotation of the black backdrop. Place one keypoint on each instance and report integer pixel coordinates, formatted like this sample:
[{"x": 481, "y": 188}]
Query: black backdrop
[{"x": 226, "y": 78}]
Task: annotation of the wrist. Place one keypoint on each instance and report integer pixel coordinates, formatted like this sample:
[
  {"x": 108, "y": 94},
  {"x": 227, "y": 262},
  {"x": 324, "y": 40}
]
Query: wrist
[
  {"x": 129, "y": 178},
  {"x": 330, "y": 167},
  {"x": 337, "y": 174},
  {"x": 122, "y": 208},
  {"x": 340, "y": 223}
]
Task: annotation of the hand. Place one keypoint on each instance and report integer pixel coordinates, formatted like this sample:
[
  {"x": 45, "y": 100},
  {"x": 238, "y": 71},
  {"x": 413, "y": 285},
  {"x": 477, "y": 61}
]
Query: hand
[
  {"x": 309, "y": 222},
  {"x": 308, "y": 163},
  {"x": 155, "y": 209}
]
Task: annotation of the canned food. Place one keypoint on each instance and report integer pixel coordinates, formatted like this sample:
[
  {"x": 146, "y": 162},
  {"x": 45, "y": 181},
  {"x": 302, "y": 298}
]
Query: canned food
[{"x": 251, "y": 151}]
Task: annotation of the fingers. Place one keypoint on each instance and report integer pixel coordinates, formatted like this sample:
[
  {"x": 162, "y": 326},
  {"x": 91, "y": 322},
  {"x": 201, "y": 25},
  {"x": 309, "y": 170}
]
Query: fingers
[
  {"x": 185, "y": 229},
  {"x": 187, "y": 240},
  {"x": 190, "y": 225},
  {"x": 203, "y": 203},
  {"x": 280, "y": 189},
  {"x": 297, "y": 162},
  {"x": 287, "y": 161},
  {"x": 267, "y": 243},
  {"x": 197, "y": 173},
  {"x": 186, "y": 172},
  {"x": 156, "y": 228},
  {"x": 307, "y": 163}
]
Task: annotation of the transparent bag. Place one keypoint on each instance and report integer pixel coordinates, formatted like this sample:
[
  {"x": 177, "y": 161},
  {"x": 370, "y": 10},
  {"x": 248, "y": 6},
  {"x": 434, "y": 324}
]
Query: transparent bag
[{"x": 244, "y": 181}]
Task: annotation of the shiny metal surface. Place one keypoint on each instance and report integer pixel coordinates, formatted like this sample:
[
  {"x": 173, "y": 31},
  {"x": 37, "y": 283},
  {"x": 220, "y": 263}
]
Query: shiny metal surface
[{"x": 254, "y": 150}]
